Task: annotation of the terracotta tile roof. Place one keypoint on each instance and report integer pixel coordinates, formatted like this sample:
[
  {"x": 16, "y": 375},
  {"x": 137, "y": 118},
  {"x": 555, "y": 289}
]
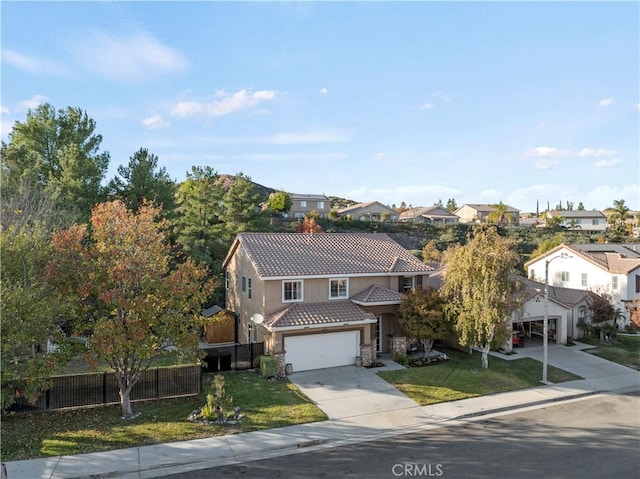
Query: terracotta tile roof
[
  {"x": 376, "y": 295},
  {"x": 318, "y": 314},
  {"x": 328, "y": 254}
]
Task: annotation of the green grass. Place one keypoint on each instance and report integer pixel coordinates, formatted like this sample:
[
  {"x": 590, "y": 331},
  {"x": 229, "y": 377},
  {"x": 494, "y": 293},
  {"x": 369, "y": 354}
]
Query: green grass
[
  {"x": 463, "y": 377},
  {"x": 265, "y": 404},
  {"x": 623, "y": 350}
]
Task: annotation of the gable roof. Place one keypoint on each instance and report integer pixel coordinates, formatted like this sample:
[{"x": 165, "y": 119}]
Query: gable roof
[
  {"x": 365, "y": 207},
  {"x": 577, "y": 214},
  {"x": 286, "y": 255},
  {"x": 486, "y": 208},
  {"x": 613, "y": 258},
  {"x": 301, "y": 196},
  {"x": 565, "y": 296},
  {"x": 377, "y": 295},
  {"x": 428, "y": 211},
  {"x": 327, "y": 313}
]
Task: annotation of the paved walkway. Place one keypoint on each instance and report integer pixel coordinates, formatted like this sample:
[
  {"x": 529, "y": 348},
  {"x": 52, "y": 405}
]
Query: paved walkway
[{"x": 163, "y": 459}]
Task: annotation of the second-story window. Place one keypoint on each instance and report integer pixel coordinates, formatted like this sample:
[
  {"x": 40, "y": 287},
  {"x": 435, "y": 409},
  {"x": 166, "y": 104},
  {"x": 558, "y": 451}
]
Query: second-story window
[
  {"x": 409, "y": 283},
  {"x": 291, "y": 291},
  {"x": 564, "y": 276},
  {"x": 303, "y": 204},
  {"x": 320, "y": 205},
  {"x": 338, "y": 288},
  {"x": 584, "y": 280},
  {"x": 249, "y": 288},
  {"x": 244, "y": 284},
  {"x": 614, "y": 283},
  {"x": 595, "y": 222}
]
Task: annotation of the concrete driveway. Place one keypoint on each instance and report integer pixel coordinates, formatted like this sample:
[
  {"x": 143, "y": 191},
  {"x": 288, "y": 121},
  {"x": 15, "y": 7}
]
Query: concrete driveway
[{"x": 349, "y": 391}]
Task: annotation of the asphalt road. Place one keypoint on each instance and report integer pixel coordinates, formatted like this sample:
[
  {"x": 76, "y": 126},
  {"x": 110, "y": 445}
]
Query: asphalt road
[{"x": 598, "y": 437}]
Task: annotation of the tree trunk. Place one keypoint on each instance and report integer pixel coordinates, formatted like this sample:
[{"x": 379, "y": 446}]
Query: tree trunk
[
  {"x": 485, "y": 356},
  {"x": 125, "y": 402}
]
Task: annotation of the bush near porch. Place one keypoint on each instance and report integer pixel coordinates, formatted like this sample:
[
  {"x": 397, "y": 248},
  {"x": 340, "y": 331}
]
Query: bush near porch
[{"x": 463, "y": 377}]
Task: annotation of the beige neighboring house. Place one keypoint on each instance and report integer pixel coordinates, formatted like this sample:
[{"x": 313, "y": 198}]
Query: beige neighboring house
[
  {"x": 479, "y": 213},
  {"x": 302, "y": 205},
  {"x": 581, "y": 220},
  {"x": 320, "y": 300},
  {"x": 371, "y": 211},
  {"x": 428, "y": 214}
]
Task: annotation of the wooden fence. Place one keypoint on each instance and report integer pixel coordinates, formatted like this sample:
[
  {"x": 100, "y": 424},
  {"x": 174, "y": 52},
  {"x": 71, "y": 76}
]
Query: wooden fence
[{"x": 82, "y": 390}]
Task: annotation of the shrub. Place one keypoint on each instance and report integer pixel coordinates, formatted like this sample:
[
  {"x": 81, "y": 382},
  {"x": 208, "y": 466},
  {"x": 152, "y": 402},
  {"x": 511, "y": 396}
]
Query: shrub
[{"x": 268, "y": 366}]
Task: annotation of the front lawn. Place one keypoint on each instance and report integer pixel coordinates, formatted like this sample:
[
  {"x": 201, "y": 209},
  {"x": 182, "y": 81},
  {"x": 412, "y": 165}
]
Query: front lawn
[
  {"x": 463, "y": 377},
  {"x": 623, "y": 349},
  {"x": 266, "y": 405}
]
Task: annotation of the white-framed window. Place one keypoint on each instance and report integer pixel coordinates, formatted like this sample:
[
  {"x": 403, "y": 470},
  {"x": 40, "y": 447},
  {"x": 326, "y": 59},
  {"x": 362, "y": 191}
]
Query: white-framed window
[
  {"x": 564, "y": 276},
  {"x": 615, "y": 284},
  {"x": 303, "y": 204},
  {"x": 595, "y": 222},
  {"x": 409, "y": 283},
  {"x": 249, "y": 288},
  {"x": 338, "y": 288},
  {"x": 292, "y": 291},
  {"x": 320, "y": 205},
  {"x": 244, "y": 284},
  {"x": 583, "y": 280}
]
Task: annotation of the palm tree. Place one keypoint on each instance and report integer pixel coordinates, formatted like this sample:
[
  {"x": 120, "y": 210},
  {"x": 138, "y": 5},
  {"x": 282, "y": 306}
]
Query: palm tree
[
  {"x": 500, "y": 215},
  {"x": 619, "y": 215}
]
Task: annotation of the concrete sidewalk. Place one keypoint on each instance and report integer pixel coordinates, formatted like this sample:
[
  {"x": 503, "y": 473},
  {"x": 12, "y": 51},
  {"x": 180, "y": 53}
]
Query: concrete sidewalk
[{"x": 163, "y": 459}]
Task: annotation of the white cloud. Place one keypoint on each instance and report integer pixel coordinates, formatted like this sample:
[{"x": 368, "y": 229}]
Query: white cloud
[
  {"x": 129, "y": 58},
  {"x": 324, "y": 91},
  {"x": 223, "y": 103},
  {"x": 545, "y": 164},
  {"x": 637, "y": 106},
  {"x": 32, "y": 64},
  {"x": 547, "y": 152},
  {"x": 590, "y": 152},
  {"x": 426, "y": 106},
  {"x": 443, "y": 96},
  {"x": 30, "y": 104},
  {"x": 607, "y": 163},
  {"x": 155, "y": 122},
  {"x": 4, "y": 110},
  {"x": 605, "y": 102}
]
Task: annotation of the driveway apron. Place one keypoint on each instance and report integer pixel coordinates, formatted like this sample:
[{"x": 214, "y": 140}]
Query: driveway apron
[{"x": 349, "y": 391}]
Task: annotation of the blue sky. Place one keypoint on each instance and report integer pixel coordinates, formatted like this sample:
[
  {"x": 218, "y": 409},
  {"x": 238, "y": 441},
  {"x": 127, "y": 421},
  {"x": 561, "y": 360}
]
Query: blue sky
[{"x": 388, "y": 101}]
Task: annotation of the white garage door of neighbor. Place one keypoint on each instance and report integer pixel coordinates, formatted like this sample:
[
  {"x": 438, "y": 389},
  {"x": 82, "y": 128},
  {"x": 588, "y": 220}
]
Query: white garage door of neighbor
[{"x": 317, "y": 351}]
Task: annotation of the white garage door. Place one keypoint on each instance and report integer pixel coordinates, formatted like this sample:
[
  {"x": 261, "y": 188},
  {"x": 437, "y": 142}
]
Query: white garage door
[{"x": 317, "y": 351}]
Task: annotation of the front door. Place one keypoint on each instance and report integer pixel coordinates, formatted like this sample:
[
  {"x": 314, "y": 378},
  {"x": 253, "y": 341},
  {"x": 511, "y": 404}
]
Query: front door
[{"x": 379, "y": 334}]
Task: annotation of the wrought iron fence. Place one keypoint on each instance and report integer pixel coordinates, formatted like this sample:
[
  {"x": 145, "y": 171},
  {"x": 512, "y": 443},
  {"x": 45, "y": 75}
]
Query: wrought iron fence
[
  {"x": 82, "y": 390},
  {"x": 232, "y": 357}
]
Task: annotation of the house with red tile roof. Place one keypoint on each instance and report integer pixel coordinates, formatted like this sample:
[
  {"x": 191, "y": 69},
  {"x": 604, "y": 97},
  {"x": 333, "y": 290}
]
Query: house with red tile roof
[{"x": 320, "y": 300}]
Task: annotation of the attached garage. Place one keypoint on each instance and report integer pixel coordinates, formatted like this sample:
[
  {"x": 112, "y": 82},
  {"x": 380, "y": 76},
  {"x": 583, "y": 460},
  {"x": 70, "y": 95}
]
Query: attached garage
[{"x": 317, "y": 351}]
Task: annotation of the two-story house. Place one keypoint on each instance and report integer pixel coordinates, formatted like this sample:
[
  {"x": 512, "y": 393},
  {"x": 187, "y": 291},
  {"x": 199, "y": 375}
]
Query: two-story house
[
  {"x": 605, "y": 269},
  {"x": 320, "y": 300},
  {"x": 581, "y": 220},
  {"x": 303, "y": 204},
  {"x": 479, "y": 213}
]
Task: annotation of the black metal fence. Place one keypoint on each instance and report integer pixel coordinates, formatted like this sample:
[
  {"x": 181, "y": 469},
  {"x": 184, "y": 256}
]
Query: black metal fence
[
  {"x": 232, "y": 357},
  {"x": 81, "y": 390}
]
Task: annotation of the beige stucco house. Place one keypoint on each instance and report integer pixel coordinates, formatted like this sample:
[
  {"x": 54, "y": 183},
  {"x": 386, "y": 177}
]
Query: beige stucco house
[
  {"x": 428, "y": 214},
  {"x": 320, "y": 300},
  {"x": 371, "y": 211},
  {"x": 479, "y": 213},
  {"x": 303, "y": 204}
]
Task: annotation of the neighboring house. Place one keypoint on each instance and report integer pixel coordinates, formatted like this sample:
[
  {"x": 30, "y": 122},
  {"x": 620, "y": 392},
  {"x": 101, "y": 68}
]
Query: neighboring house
[
  {"x": 320, "y": 300},
  {"x": 371, "y": 211},
  {"x": 302, "y": 205},
  {"x": 479, "y": 213},
  {"x": 566, "y": 307},
  {"x": 428, "y": 214},
  {"x": 588, "y": 222},
  {"x": 606, "y": 269}
]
